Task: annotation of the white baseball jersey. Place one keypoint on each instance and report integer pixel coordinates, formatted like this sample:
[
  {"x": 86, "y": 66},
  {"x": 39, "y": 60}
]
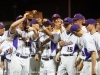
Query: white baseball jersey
[
  {"x": 7, "y": 49},
  {"x": 22, "y": 60},
  {"x": 21, "y": 48},
  {"x": 4, "y": 36},
  {"x": 84, "y": 29},
  {"x": 72, "y": 48},
  {"x": 96, "y": 37},
  {"x": 87, "y": 45},
  {"x": 51, "y": 45},
  {"x": 49, "y": 67},
  {"x": 56, "y": 36}
]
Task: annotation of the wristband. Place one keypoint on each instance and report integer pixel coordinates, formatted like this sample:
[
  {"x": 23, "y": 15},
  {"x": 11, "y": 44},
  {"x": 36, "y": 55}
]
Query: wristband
[{"x": 43, "y": 27}]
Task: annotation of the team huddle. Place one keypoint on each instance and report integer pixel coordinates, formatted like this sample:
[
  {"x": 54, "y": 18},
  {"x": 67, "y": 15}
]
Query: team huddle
[{"x": 57, "y": 47}]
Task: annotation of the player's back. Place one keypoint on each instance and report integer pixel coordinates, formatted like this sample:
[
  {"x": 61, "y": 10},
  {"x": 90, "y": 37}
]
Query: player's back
[{"x": 96, "y": 37}]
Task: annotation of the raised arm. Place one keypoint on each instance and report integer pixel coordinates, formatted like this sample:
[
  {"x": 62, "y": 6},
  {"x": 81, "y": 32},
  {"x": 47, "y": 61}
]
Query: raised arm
[{"x": 16, "y": 23}]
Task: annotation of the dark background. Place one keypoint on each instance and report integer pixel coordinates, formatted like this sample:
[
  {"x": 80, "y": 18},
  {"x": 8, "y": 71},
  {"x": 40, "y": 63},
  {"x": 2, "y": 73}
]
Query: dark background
[{"x": 9, "y": 9}]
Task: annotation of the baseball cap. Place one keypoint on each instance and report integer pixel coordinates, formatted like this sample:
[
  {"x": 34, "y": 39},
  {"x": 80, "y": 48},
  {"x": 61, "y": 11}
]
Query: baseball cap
[
  {"x": 55, "y": 16},
  {"x": 48, "y": 22},
  {"x": 74, "y": 27},
  {"x": 2, "y": 25},
  {"x": 19, "y": 17},
  {"x": 78, "y": 16},
  {"x": 34, "y": 21},
  {"x": 68, "y": 20},
  {"x": 90, "y": 21}
]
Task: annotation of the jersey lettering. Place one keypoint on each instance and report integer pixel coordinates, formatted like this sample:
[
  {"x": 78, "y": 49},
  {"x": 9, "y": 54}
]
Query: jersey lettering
[{"x": 70, "y": 49}]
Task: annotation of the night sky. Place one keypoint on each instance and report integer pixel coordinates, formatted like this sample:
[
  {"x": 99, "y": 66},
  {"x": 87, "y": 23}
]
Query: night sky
[{"x": 9, "y": 9}]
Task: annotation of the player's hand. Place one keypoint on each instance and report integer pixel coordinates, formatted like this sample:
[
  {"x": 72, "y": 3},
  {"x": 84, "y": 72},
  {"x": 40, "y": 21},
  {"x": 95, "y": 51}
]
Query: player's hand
[
  {"x": 76, "y": 63},
  {"x": 10, "y": 39},
  {"x": 25, "y": 15},
  {"x": 57, "y": 58},
  {"x": 44, "y": 20},
  {"x": 31, "y": 29},
  {"x": 80, "y": 66},
  {"x": 93, "y": 72},
  {"x": 3, "y": 67},
  {"x": 62, "y": 43},
  {"x": 36, "y": 57},
  {"x": 34, "y": 11},
  {"x": 0, "y": 51}
]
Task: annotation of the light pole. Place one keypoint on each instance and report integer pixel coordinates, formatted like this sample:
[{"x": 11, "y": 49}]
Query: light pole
[{"x": 69, "y": 8}]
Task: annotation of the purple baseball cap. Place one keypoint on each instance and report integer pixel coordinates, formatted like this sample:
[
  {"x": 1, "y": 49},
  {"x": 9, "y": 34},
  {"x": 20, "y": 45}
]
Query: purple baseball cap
[
  {"x": 74, "y": 27},
  {"x": 78, "y": 16},
  {"x": 48, "y": 22},
  {"x": 19, "y": 17},
  {"x": 90, "y": 21},
  {"x": 34, "y": 21},
  {"x": 55, "y": 16},
  {"x": 2, "y": 25},
  {"x": 68, "y": 20}
]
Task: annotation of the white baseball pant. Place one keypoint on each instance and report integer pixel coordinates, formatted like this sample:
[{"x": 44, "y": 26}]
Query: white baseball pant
[
  {"x": 87, "y": 66},
  {"x": 67, "y": 65},
  {"x": 19, "y": 66},
  {"x": 47, "y": 67}
]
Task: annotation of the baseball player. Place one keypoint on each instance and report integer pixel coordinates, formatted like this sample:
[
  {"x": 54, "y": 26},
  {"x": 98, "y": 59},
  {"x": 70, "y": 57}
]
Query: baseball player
[
  {"x": 91, "y": 27},
  {"x": 58, "y": 28},
  {"x": 89, "y": 50},
  {"x": 98, "y": 25},
  {"x": 79, "y": 19},
  {"x": 98, "y": 30},
  {"x": 69, "y": 47},
  {"x": 58, "y": 22},
  {"x": 34, "y": 65},
  {"x": 7, "y": 50},
  {"x": 22, "y": 44},
  {"x": 3, "y": 37},
  {"x": 47, "y": 63}
]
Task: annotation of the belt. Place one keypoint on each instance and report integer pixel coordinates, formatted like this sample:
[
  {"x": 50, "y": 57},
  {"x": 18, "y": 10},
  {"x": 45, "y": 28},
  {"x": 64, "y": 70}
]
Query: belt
[
  {"x": 22, "y": 56},
  {"x": 28, "y": 43},
  {"x": 87, "y": 60},
  {"x": 46, "y": 59},
  {"x": 32, "y": 55},
  {"x": 67, "y": 54},
  {"x": 8, "y": 59}
]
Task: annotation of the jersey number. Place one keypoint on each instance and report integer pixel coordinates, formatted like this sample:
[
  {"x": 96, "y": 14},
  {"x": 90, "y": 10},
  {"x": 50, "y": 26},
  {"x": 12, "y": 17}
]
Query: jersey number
[{"x": 70, "y": 49}]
